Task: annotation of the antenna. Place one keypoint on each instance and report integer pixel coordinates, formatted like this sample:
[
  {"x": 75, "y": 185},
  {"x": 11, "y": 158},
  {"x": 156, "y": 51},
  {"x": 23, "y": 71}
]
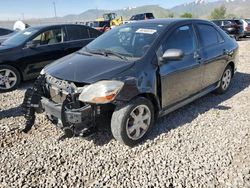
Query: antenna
[{"x": 54, "y": 4}]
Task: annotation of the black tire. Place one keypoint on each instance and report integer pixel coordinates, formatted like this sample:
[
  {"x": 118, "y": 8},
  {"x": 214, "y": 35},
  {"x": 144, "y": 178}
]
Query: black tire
[
  {"x": 121, "y": 117},
  {"x": 14, "y": 73},
  {"x": 222, "y": 89}
]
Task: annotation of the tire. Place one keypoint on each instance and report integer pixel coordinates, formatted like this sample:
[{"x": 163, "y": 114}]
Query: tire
[
  {"x": 9, "y": 78},
  {"x": 123, "y": 126},
  {"x": 225, "y": 80}
]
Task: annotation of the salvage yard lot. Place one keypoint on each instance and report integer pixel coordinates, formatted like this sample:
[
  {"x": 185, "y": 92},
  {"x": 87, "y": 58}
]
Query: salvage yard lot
[{"x": 204, "y": 144}]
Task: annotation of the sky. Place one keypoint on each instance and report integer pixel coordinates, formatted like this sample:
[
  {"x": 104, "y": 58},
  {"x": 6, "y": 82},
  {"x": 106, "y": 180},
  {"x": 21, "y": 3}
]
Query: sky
[{"x": 19, "y": 9}]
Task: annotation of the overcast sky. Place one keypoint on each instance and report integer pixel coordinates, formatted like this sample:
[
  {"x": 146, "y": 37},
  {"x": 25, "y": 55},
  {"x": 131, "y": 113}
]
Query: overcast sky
[{"x": 16, "y": 9}]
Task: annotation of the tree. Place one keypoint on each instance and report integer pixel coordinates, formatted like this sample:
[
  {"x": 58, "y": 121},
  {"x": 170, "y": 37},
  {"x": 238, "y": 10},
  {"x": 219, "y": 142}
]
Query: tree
[
  {"x": 187, "y": 15},
  {"x": 219, "y": 13},
  {"x": 171, "y": 15}
]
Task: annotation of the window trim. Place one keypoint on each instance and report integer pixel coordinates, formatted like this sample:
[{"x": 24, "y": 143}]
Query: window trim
[
  {"x": 191, "y": 25},
  {"x": 199, "y": 35},
  {"x": 67, "y": 32}
]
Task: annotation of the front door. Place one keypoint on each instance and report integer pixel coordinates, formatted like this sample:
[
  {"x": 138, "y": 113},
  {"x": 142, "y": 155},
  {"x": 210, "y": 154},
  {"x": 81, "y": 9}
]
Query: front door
[
  {"x": 49, "y": 47},
  {"x": 180, "y": 78}
]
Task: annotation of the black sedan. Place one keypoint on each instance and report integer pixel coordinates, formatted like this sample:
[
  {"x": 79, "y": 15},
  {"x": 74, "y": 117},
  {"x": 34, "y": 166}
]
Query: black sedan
[
  {"x": 23, "y": 55},
  {"x": 145, "y": 70},
  {"x": 4, "y": 31}
]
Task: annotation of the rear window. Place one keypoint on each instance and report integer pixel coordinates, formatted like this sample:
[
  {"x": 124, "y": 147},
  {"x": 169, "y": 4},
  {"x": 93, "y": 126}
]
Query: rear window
[
  {"x": 208, "y": 35},
  {"x": 77, "y": 32}
]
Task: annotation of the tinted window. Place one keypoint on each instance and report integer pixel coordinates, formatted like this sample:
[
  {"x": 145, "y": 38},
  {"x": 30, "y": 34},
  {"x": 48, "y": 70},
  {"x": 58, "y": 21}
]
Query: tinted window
[
  {"x": 182, "y": 38},
  {"x": 208, "y": 35},
  {"x": 20, "y": 37},
  {"x": 149, "y": 16},
  {"x": 5, "y": 31},
  {"x": 94, "y": 33},
  {"x": 76, "y": 32},
  {"x": 217, "y": 22},
  {"x": 52, "y": 36}
]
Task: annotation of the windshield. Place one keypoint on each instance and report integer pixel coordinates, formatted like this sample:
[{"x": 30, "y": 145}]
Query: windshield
[
  {"x": 131, "y": 41},
  {"x": 20, "y": 37}
]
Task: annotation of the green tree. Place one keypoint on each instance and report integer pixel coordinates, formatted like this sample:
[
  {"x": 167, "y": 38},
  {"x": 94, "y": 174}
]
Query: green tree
[
  {"x": 171, "y": 15},
  {"x": 218, "y": 13},
  {"x": 187, "y": 15}
]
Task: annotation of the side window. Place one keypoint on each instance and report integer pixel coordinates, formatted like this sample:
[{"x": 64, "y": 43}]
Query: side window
[
  {"x": 208, "y": 35},
  {"x": 77, "y": 32},
  {"x": 182, "y": 38},
  {"x": 52, "y": 36},
  {"x": 94, "y": 33}
]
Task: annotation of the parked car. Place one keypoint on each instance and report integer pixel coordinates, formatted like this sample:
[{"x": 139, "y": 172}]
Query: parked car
[
  {"x": 4, "y": 31},
  {"x": 233, "y": 28},
  {"x": 137, "y": 17},
  {"x": 136, "y": 73},
  {"x": 23, "y": 55},
  {"x": 246, "y": 26},
  {"x": 5, "y": 37}
]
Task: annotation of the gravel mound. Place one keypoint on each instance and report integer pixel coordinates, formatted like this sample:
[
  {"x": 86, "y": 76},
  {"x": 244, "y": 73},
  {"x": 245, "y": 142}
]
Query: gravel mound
[{"x": 204, "y": 144}]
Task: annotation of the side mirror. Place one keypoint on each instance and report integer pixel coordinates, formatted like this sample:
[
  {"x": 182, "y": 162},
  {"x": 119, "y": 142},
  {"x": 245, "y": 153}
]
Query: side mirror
[
  {"x": 31, "y": 44},
  {"x": 173, "y": 54}
]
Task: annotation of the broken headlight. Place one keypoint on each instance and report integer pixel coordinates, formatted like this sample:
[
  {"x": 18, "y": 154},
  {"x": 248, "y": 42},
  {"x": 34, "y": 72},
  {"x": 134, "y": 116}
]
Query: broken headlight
[{"x": 101, "y": 92}]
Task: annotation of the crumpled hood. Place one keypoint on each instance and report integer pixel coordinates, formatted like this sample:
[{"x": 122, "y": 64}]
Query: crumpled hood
[{"x": 86, "y": 69}]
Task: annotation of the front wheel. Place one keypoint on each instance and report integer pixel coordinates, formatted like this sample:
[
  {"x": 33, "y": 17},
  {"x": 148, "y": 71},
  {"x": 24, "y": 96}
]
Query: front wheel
[
  {"x": 9, "y": 78},
  {"x": 225, "y": 80},
  {"x": 131, "y": 123}
]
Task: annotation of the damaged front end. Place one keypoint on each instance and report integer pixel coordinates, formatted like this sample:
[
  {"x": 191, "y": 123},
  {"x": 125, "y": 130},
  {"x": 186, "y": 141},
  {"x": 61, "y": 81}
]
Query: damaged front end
[{"x": 59, "y": 99}]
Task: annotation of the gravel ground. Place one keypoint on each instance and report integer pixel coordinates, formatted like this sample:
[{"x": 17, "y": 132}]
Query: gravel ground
[{"x": 204, "y": 144}]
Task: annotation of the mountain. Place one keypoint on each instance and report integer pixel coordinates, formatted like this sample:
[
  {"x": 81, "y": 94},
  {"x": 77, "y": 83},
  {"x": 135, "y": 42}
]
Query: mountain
[
  {"x": 126, "y": 13},
  {"x": 202, "y": 8}
]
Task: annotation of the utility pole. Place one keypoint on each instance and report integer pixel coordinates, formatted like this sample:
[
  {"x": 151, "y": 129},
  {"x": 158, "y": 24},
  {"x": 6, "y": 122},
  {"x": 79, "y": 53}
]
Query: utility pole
[{"x": 54, "y": 4}]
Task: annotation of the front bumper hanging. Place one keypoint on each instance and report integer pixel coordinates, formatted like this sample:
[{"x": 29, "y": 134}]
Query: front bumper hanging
[{"x": 73, "y": 121}]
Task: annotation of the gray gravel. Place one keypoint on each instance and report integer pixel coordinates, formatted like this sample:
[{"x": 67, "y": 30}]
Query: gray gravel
[{"x": 204, "y": 144}]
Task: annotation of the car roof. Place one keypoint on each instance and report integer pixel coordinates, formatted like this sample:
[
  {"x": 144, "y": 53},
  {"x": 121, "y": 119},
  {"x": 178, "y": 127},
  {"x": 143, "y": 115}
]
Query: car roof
[
  {"x": 53, "y": 25},
  {"x": 167, "y": 21}
]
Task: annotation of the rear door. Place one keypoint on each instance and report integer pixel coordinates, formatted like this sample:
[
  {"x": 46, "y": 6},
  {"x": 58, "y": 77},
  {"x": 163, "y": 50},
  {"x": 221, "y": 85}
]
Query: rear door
[
  {"x": 180, "y": 78},
  {"x": 50, "y": 46},
  {"x": 78, "y": 36},
  {"x": 212, "y": 53}
]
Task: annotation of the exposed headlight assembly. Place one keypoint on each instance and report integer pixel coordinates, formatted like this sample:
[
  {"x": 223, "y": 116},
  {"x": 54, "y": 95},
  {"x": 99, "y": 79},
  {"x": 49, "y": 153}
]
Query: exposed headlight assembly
[{"x": 101, "y": 92}]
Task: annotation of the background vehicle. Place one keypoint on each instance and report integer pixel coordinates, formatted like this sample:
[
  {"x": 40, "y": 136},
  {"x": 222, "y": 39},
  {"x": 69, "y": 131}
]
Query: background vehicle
[
  {"x": 137, "y": 17},
  {"x": 23, "y": 55},
  {"x": 112, "y": 19},
  {"x": 231, "y": 27},
  {"x": 246, "y": 26},
  {"x": 145, "y": 70},
  {"x": 4, "y": 31}
]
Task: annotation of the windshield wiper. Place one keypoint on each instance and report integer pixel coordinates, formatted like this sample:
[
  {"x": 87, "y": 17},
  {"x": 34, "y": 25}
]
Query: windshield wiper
[
  {"x": 110, "y": 52},
  {"x": 104, "y": 52}
]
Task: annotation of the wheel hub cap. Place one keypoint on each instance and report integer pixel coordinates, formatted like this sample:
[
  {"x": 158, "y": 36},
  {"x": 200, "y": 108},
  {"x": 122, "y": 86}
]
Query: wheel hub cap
[
  {"x": 138, "y": 122},
  {"x": 226, "y": 79}
]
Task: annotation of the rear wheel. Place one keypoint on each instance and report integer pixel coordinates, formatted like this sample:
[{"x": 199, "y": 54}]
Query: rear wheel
[
  {"x": 131, "y": 123},
  {"x": 9, "y": 78},
  {"x": 225, "y": 80}
]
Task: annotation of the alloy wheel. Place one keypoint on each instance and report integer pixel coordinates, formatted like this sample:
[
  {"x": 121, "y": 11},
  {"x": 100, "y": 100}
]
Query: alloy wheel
[{"x": 8, "y": 79}]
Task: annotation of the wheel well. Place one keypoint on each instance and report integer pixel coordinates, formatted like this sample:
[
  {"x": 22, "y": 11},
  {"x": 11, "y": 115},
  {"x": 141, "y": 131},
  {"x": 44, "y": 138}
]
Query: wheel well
[
  {"x": 232, "y": 65},
  {"x": 154, "y": 101}
]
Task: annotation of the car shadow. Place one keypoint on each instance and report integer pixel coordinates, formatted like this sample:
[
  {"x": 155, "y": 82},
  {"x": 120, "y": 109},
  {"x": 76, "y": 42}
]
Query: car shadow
[
  {"x": 12, "y": 112},
  {"x": 185, "y": 114}
]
